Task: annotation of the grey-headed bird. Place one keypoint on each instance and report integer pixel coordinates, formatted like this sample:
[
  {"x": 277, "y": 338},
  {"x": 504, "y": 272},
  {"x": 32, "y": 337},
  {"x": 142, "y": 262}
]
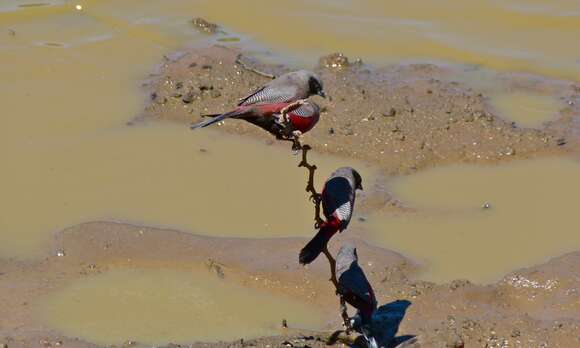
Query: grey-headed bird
[{"x": 286, "y": 91}]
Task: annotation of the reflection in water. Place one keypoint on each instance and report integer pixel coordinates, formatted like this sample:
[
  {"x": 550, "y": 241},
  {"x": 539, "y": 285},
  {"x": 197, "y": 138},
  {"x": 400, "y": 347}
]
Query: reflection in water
[
  {"x": 532, "y": 216},
  {"x": 162, "y": 306}
]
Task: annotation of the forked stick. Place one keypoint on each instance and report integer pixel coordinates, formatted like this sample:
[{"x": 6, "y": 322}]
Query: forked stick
[
  {"x": 315, "y": 197},
  {"x": 332, "y": 263}
]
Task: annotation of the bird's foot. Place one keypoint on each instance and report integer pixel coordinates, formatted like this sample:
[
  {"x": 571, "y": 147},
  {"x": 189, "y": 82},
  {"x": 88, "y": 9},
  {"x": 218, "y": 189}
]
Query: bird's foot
[
  {"x": 282, "y": 119},
  {"x": 293, "y": 106},
  {"x": 296, "y": 145}
]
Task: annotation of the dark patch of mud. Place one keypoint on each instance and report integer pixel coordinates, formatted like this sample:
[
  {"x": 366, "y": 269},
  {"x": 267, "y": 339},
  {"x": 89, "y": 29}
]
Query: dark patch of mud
[{"x": 536, "y": 306}]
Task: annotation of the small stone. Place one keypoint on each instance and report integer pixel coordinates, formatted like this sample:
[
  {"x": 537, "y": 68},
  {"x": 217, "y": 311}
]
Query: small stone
[
  {"x": 178, "y": 85},
  {"x": 60, "y": 253},
  {"x": 284, "y": 323},
  {"x": 175, "y": 95},
  {"x": 331, "y": 130},
  {"x": 349, "y": 132},
  {"x": 390, "y": 113},
  {"x": 193, "y": 65},
  {"x": 561, "y": 142},
  {"x": 202, "y": 150},
  {"x": 486, "y": 205},
  {"x": 362, "y": 219},
  {"x": 189, "y": 97},
  {"x": 510, "y": 151},
  {"x": 414, "y": 293},
  {"x": 214, "y": 93},
  {"x": 334, "y": 61},
  {"x": 206, "y": 66},
  {"x": 515, "y": 333},
  {"x": 205, "y": 26}
]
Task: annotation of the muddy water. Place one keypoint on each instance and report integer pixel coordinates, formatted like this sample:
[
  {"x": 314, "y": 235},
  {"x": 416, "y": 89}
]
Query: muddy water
[
  {"x": 532, "y": 216},
  {"x": 160, "y": 175},
  {"x": 161, "y": 306},
  {"x": 526, "y": 109},
  {"x": 68, "y": 156},
  {"x": 522, "y": 35}
]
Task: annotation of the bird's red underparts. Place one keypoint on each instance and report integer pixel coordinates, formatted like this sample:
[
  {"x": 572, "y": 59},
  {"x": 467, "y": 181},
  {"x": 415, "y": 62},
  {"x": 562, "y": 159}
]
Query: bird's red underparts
[{"x": 300, "y": 123}]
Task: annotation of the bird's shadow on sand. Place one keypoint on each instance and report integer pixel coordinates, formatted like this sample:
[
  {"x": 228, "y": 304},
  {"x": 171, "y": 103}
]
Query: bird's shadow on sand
[{"x": 385, "y": 325}]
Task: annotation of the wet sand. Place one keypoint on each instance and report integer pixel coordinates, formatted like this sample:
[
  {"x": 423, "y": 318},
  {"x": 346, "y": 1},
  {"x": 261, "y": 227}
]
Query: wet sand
[{"x": 529, "y": 307}]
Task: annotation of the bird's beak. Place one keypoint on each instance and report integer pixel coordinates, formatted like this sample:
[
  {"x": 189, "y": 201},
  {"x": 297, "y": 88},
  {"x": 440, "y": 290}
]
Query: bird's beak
[
  {"x": 360, "y": 187},
  {"x": 322, "y": 94}
]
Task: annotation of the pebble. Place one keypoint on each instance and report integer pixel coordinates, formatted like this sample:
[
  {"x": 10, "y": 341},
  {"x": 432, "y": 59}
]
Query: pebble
[
  {"x": 390, "y": 113},
  {"x": 189, "y": 97},
  {"x": 204, "y": 26},
  {"x": 60, "y": 253},
  {"x": 486, "y": 205},
  {"x": 334, "y": 61}
]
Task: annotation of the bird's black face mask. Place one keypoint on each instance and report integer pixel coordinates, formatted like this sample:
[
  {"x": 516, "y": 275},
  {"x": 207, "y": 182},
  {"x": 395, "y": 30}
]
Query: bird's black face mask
[
  {"x": 358, "y": 180},
  {"x": 316, "y": 87}
]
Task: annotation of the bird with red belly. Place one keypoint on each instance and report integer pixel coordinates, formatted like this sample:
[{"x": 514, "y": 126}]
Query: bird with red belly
[
  {"x": 337, "y": 198},
  {"x": 279, "y": 107}
]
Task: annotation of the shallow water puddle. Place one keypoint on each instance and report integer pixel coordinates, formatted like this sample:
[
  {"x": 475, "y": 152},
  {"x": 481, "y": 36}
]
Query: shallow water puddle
[
  {"x": 526, "y": 109},
  {"x": 162, "y": 306},
  {"x": 518, "y": 35},
  {"x": 533, "y": 216},
  {"x": 68, "y": 156},
  {"x": 162, "y": 175}
]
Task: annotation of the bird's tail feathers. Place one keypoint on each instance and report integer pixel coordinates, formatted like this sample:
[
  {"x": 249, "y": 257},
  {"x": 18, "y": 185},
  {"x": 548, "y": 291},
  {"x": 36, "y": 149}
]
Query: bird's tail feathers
[
  {"x": 311, "y": 251},
  {"x": 209, "y": 122},
  {"x": 215, "y": 118}
]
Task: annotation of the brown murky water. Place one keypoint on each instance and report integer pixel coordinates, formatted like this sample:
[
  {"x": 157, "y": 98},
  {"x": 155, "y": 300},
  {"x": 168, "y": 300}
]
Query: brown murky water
[
  {"x": 161, "y": 306},
  {"x": 69, "y": 158},
  {"x": 527, "y": 109},
  {"x": 532, "y": 216},
  {"x": 70, "y": 82}
]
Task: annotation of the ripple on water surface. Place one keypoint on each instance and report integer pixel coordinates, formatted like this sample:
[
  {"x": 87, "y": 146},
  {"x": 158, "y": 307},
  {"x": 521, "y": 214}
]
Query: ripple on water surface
[
  {"x": 533, "y": 215},
  {"x": 162, "y": 306}
]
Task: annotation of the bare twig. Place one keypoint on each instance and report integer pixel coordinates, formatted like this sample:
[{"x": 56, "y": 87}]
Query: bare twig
[
  {"x": 254, "y": 70},
  {"x": 332, "y": 263},
  {"x": 314, "y": 196}
]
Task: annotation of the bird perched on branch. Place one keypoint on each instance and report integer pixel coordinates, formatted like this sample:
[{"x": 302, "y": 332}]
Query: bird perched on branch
[
  {"x": 354, "y": 288},
  {"x": 337, "y": 200},
  {"x": 286, "y": 121},
  {"x": 280, "y": 106}
]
